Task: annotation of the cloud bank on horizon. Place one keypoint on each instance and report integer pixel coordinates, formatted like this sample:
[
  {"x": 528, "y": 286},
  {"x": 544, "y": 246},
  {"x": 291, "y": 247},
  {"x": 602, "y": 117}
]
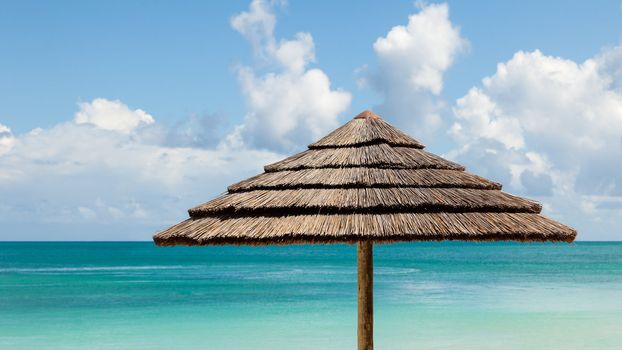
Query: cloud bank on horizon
[{"x": 546, "y": 127}]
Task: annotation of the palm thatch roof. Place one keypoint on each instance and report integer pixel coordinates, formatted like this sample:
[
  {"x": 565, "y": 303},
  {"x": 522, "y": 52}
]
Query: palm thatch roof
[{"x": 364, "y": 181}]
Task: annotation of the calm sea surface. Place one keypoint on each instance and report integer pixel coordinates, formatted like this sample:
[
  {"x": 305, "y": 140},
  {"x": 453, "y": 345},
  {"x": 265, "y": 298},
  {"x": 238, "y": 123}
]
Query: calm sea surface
[{"x": 427, "y": 296}]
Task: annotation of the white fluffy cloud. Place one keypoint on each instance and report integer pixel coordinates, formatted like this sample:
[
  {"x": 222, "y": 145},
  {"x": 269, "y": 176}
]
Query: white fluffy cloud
[
  {"x": 412, "y": 60},
  {"x": 6, "y": 139},
  {"x": 293, "y": 105},
  {"x": 82, "y": 173},
  {"x": 257, "y": 26},
  {"x": 546, "y": 121},
  {"x": 418, "y": 54},
  {"x": 111, "y": 115}
]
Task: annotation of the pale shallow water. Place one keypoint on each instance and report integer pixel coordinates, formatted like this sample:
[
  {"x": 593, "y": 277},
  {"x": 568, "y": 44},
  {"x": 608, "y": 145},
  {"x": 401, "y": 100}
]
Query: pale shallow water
[{"x": 427, "y": 296}]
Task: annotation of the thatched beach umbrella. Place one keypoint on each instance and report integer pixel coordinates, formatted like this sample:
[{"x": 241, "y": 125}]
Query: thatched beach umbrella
[{"x": 364, "y": 183}]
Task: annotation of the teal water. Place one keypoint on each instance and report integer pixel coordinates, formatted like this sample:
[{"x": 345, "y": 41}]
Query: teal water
[{"x": 427, "y": 296}]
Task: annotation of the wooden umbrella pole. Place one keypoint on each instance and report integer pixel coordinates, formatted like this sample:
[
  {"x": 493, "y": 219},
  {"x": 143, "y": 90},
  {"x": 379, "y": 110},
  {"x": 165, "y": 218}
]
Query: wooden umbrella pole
[{"x": 365, "y": 295}]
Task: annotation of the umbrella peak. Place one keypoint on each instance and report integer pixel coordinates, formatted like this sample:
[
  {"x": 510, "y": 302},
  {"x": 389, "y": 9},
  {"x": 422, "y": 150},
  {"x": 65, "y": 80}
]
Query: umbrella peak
[
  {"x": 367, "y": 114},
  {"x": 365, "y": 129}
]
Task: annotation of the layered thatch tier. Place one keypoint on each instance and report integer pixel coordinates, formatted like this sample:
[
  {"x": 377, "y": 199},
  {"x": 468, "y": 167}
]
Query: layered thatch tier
[
  {"x": 380, "y": 155},
  {"x": 349, "y": 228},
  {"x": 365, "y": 200},
  {"x": 364, "y": 181},
  {"x": 363, "y": 177}
]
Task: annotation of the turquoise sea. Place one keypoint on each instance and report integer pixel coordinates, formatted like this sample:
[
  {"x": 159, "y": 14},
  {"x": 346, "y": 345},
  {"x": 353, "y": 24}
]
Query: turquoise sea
[{"x": 427, "y": 296}]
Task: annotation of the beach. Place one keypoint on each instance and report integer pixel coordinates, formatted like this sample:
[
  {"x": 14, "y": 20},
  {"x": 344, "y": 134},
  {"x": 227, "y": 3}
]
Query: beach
[{"x": 133, "y": 295}]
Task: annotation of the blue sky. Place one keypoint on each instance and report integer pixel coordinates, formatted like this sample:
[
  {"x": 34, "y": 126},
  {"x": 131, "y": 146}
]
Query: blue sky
[{"x": 133, "y": 103}]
